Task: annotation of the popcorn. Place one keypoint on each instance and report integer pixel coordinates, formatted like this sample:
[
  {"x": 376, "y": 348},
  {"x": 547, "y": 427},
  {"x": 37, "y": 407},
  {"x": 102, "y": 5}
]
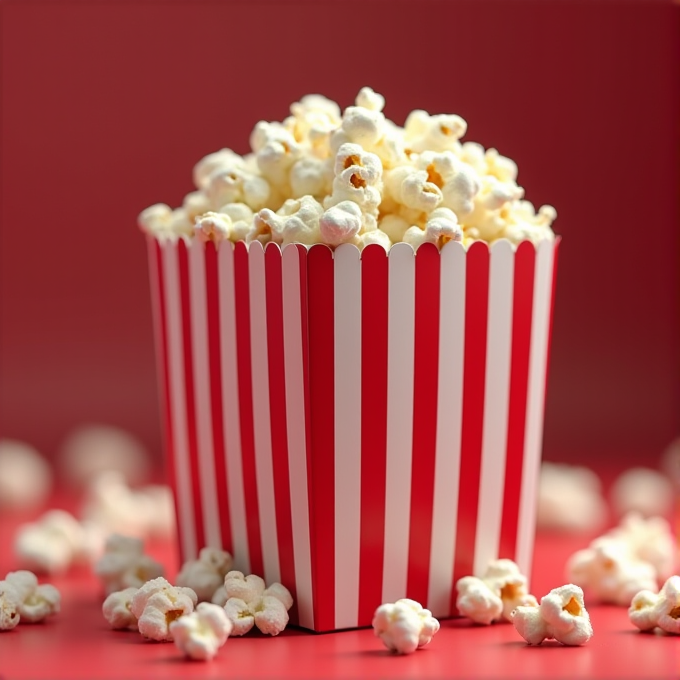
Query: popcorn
[
  {"x": 495, "y": 595},
  {"x": 440, "y": 228},
  {"x": 124, "y": 564},
  {"x": 117, "y": 609},
  {"x": 650, "y": 540},
  {"x": 35, "y": 602},
  {"x": 642, "y": 490},
  {"x": 649, "y": 610},
  {"x": 199, "y": 635},
  {"x": 157, "y": 604},
  {"x": 224, "y": 158},
  {"x": 404, "y": 626},
  {"x": 610, "y": 572},
  {"x": 25, "y": 476},
  {"x": 115, "y": 508},
  {"x": 51, "y": 544},
  {"x": 396, "y": 176},
  {"x": 205, "y": 576},
  {"x": 423, "y": 132},
  {"x": 9, "y": 606},
  {"x": 92, "y": 449},
  {"x": 569, "y": 498},
  {"x": 249, "y": 603},
  {"x": 561, "y": 616}
]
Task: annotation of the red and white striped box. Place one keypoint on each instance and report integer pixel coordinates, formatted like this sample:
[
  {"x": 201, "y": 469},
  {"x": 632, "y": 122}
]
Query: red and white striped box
[{"x": 361, "y": 427}]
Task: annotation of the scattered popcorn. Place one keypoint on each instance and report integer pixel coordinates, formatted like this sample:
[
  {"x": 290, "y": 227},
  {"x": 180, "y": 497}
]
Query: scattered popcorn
[
  {"x": 92, "y": 449},
  {"x": 649, "y": 610},
  {"x": 9, "y": 606},
  {"x": 404, "y": 626},
  {"x": 302, "y": 175},
  {"x": 114, "y": 507},
  {"x": 609, "y": 571},
  {"x": 650, "y": 540},
  {"x": 561, "y": 616},
  {"x": 205, "y": 576},
  {"x": 157, "y": 604},
  {"x": 249, "y": 603},
  {"x": 25, "y": 476},
  {"x": 36, "y": 602},
  {"x": 117, "y": 609},
  {"x": 569, "y": 498},
  {"x": 52, "y": 543},
  {"x": 199, "y": 635},
  {"x": 495, "y": 595},
  {"x": 642, "y": 490},
  {"x": 124, "y": 564}
]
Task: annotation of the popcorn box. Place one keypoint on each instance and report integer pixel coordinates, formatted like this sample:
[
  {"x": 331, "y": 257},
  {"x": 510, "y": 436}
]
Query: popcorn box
[{"x": 360, "y": 426}]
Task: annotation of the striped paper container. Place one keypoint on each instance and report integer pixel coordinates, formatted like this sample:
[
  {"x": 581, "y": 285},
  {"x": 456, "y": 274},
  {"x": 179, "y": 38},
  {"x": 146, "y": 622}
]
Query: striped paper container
[{"x": 361, "y": 427}]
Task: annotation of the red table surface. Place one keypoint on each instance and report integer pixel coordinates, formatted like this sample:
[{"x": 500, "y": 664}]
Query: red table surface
[{"x": 77, "y": 643}]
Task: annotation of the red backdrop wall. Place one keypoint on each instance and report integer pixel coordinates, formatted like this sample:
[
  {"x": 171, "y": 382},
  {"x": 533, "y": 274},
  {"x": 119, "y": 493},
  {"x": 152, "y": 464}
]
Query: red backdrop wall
[{"x": 106, "y": 106}]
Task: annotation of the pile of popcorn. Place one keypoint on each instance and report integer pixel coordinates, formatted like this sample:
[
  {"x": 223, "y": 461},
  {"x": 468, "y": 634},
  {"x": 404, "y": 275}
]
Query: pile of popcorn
[{"x": 322, "y": 176}]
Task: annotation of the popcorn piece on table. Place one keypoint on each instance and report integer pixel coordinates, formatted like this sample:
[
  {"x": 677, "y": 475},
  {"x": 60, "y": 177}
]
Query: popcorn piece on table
[
  {"x": 649, "y": 610},
  {"x": 117, "y": 609},
  {"x": 205, "y": 576},
  {"x": 561, "y": 616},
  {"x": 404, "y": 626},
  {"x": 9, "y": 606},
  {"x": 610, "y": 572},
  {"x": 36, "y": 602},
  {"x": 495, "y": 595},
  {"x": 199, "y": 635},
  {"x": 52, "y": 543},
  {"x": 92, "y": 449},
  {"x": 157, "y": 604},
  {"x": 569, "y": 498},
  {"x": 25, "y": 476},
  {"x": 249, "y": 603},
  {"x": 644, "y": 491},
  {"x": 124, "y": 564},
  {"x": 114, "y": 507}
]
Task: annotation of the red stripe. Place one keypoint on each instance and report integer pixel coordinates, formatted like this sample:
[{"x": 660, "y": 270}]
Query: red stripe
[
  {"x": 320, "y": 291},
  {"x": 277, "y": 411},
  {"x": 426, "y": 367},
  {"x": 245, "y": 397},
  {"x": 213, "y": 309},
  {"x": 192, "y": 442},
  {"x": 374, "y": 296},
  {"x": 522, "y": 306},
  {"x": 476, "y": 308},
  {"x": 164, "y": 379}
]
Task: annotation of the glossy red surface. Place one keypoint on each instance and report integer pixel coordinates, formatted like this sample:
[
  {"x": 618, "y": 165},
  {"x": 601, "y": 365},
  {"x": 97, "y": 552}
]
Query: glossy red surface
[{"x": 77, "y": 644}]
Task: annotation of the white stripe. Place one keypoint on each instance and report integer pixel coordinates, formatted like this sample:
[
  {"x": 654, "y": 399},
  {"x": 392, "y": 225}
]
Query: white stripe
[
  {"x": 449, "y": 427},
  {"x": 347, "y": 379},
  {"x": 204, "y": 435},
  {"x": 176, "y": 386},
  {"x": 230, "y": 408},
  {"x": 156, "y": 319},
  {"x": 264, "y": 468},
  {"x": 400, "y": 359},
  {"x": 540, "y": 320},
  {"x": 496, "y": 401},
  {"x": 296, "y": 428}
]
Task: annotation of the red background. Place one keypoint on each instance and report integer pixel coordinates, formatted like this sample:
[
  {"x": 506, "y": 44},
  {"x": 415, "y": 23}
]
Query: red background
[{"x": 106, "y": 107}]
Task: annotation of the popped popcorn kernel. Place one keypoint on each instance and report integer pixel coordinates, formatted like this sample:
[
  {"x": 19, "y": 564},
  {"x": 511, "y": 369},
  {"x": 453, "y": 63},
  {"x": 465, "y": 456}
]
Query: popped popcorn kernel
[
  {"x": 117, "y": 609},
  {"x": 561, "y": 616},
  {"x": 9, "y": 606},
  {"x": 404, "y": 626},
  {"x": 206, "y": 574},
  {"x": 249, "y": 603},
  {"x": 35, "y": 601},
  {"x": 25, "y": 476},
  {"x": 200, "y": 634}
]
